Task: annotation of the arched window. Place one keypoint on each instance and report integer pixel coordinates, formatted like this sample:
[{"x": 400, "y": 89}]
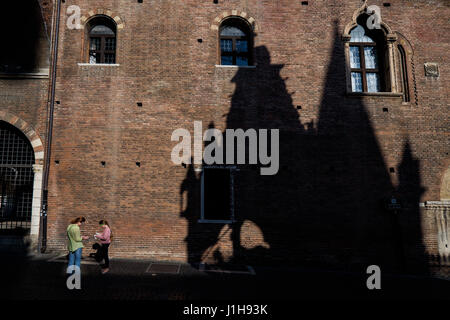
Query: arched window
[
  {"x": 102, "y": 41},
  {"x": 366, "y": 67},
  {"x": 370, "y": 54},
  {"x": 236, "y": 43}
]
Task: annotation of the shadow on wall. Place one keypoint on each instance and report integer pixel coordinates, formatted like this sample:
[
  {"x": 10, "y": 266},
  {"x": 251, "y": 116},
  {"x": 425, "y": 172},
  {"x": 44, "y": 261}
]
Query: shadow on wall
[
  {"x": 14, "y": 259},
  {"x": 23, "y": 29},
  {"x": 327, "y": 206}
]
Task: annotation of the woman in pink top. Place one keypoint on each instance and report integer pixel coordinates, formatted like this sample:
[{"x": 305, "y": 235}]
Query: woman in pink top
[{"x": 105, "y": 240}]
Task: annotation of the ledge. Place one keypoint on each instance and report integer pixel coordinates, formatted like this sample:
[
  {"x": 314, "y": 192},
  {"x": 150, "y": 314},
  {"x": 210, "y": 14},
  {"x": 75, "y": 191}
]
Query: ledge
[
  {"x": 99, "y": 64},
  {"x": 375, "y": 94},
  {"x": 435, "y": 204},
  {"x": 215, "y": 221},
  {"x": 25, "y": 75},
  {"x": 235, "y": 67}
]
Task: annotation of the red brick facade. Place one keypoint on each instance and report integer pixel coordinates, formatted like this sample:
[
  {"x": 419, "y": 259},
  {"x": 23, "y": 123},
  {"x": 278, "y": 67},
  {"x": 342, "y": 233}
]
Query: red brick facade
[{"x": 342, "y": 156}]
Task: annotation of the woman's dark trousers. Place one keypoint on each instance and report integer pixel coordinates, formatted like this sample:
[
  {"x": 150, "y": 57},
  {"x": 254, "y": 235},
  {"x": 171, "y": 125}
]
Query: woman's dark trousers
[{"x": 104, "y": 254}]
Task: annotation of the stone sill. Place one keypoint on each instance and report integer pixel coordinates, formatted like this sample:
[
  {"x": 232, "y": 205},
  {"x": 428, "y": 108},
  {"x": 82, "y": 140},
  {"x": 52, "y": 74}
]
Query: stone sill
[
  {"x": 235, "y": 67},
  {"x": 374, "y": 94},
  {"x": 429, "y": 204},
  {"x": 98, "y": 64},
  {"x": 215, "y": 221}
]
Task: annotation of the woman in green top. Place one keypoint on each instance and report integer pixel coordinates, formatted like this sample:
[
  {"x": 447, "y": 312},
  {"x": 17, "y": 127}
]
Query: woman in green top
[{"x": 75, "y": 244}]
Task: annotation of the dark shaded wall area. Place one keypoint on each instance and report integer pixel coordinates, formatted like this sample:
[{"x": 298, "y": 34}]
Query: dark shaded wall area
[
  {"x": 25, "y": 36},
  {"x": 328, "y": 203}
]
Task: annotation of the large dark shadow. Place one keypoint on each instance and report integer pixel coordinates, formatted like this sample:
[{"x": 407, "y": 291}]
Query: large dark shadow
[
  {"x": 25, "y": 37},
  {"x": 330, "y": 204},
  {"x": 14, "y": 261}
]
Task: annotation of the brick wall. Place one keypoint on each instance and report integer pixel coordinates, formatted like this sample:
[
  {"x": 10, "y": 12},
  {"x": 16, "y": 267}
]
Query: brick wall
[{"x": 326, "y": 204}]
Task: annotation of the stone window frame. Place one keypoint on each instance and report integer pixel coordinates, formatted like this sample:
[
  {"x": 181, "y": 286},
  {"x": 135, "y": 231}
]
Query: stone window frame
[
  {"x": 235, "y": 21},
  {"x": 253, "y": 27},
  {"x": 85, "y": 19},
  {"x": 392, "y": 58}
]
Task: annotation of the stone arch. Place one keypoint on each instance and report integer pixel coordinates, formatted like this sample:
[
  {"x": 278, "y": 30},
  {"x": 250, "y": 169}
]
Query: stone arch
[
  {"x": 38, "y": 149},
  {"x": 405, "y": 43},
  {"x": 390, "y": 38},
  {"x": 390, "y": 35},
  {"x": 234, "y": 13},
  {"x": 85, "y": 21},
  {"x": 29, "y": 132},
  {"x": 103, "y": 12}
]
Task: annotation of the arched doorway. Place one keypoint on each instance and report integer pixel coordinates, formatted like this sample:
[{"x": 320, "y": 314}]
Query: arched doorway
[{"x": 16, "y": 180}]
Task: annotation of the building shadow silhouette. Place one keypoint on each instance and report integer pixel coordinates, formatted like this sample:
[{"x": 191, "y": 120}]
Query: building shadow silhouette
[{"x": 329, "y": 204}]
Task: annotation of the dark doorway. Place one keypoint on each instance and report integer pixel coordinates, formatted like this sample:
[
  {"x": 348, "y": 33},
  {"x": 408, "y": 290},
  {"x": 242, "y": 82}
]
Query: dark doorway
[{"x": 16, "y": 180}]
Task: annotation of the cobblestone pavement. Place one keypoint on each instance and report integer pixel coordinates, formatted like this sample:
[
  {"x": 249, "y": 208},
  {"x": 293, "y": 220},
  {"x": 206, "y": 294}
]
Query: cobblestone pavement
[{"x": 43, "y": 277}]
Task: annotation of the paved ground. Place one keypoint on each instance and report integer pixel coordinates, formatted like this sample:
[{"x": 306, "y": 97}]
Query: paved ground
[{"x": 43, "y": 277}]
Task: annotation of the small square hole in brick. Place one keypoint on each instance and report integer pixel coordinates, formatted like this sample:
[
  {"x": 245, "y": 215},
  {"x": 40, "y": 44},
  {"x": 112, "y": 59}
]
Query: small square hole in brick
[
  {"x": 57, "y": 162},
  {"x": 386, "y": 4},
  {"x": 103, "y": 163},
  {"x": 305, "y": 3},
  {"x": 299, "y": 107},
  {"x": 216, "y": 1},
  {"x": 138, "y": 164},
  {"x": 139, "y": 104},
  {"x": 391, "y": 170},
  {"x": 140, "y": 1},
  {"x": 385, "y": 110},
  {"x": 200, "y": 40}
]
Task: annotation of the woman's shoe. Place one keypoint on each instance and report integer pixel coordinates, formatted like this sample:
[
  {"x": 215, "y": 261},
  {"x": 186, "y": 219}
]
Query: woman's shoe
[{"x": 105, "y": 270}]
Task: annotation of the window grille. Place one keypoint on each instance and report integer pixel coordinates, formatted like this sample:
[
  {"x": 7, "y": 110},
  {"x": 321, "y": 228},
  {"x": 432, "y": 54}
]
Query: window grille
[{"x": 16, "y": 179}]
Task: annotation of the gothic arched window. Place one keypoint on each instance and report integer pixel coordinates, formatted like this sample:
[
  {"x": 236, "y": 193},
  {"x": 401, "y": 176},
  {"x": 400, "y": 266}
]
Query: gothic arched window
[{"x": 366, "y": 67}]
